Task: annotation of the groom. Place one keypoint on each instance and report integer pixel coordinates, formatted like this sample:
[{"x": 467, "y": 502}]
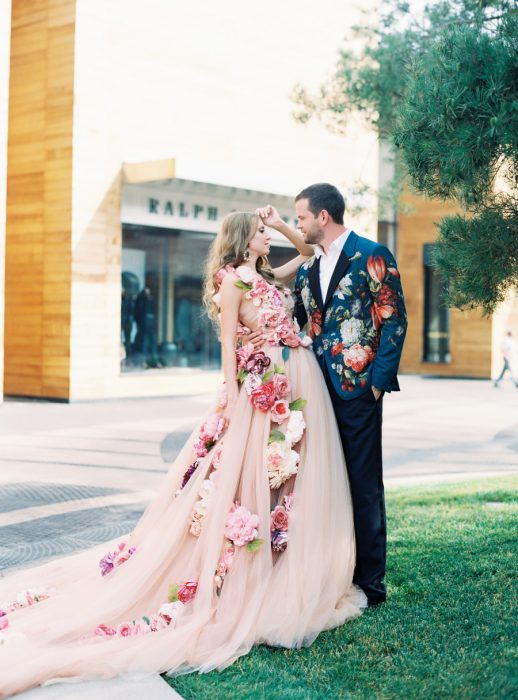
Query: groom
[{"x": 349, "y": 293}]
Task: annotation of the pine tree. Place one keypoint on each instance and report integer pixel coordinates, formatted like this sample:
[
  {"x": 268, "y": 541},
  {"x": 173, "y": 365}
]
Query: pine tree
[{"x": 444, "y": 89}]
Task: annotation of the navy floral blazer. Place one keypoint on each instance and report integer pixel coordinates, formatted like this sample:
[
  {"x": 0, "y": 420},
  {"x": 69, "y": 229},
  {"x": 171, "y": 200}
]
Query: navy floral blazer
[{"x": 359, "y": 329}]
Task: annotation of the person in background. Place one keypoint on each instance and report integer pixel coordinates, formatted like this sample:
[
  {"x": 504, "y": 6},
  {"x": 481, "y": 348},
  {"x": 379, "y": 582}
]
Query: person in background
[{"x": 508, "y": 351}]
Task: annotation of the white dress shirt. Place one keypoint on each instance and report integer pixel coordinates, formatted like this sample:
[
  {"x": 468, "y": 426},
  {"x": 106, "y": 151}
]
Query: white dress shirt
[{"x": 328, "y": 260}]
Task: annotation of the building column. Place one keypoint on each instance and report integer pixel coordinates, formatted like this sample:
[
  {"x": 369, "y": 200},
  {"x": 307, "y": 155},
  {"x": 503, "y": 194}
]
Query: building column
[{"x": 39, "y": 199}]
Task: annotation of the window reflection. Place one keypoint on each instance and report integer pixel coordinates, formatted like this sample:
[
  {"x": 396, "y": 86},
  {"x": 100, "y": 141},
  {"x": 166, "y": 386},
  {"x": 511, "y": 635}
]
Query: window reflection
[{"x": 163, "y": 322}]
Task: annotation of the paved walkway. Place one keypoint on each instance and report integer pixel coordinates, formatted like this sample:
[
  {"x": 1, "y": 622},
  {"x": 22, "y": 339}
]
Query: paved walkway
[
  {"x": 72, "y": 476},
  {"x": 75, "y": 475}
]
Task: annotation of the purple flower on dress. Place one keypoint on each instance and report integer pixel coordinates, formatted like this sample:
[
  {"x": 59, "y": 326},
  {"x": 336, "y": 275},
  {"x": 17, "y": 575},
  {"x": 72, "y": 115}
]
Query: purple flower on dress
[
  {"x": 257, "y": 363},
  {"x": 190, "y": 471},
  {"x": 107, "y": 563},
  {"x": 279, "y": 540}
]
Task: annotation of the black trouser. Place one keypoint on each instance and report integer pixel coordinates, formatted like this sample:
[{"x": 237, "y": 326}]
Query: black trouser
[{"x": 359, "y": 421}]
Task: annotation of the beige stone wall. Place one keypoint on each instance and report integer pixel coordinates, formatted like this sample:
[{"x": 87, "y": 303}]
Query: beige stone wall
[
  {"x": 471, "y": 333},
  {"x": 5, "y": 36},
  {"x": 209, "y": 86}
]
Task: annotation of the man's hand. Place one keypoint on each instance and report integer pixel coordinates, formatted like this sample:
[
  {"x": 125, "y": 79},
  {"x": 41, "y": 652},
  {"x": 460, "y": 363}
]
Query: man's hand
[
  {"x": 269, "y": 216},
  {"x": 376, "y": 392},
  {"x": 257, "y": 338}
]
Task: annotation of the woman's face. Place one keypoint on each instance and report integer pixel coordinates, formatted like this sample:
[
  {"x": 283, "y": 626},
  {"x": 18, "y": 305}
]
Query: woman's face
[{"x": 260, "y": 241}]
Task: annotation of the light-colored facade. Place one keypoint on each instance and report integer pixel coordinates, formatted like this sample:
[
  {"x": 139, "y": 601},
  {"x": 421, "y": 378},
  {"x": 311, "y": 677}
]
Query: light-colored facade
[{"x": 106, "y": 97}]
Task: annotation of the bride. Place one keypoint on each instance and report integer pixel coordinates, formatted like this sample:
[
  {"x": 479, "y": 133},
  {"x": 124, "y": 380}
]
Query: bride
[{"x": 250, "y": 539}]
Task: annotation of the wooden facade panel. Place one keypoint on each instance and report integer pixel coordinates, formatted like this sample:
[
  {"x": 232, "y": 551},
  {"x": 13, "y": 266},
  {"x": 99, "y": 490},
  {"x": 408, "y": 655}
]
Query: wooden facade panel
[
  {"x": 470, "y": 332},
  {"x": 39, "y": 212}
]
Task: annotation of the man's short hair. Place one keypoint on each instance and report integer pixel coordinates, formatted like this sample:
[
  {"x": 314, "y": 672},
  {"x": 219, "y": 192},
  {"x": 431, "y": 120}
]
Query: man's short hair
[{"x": 324, "y": 196}]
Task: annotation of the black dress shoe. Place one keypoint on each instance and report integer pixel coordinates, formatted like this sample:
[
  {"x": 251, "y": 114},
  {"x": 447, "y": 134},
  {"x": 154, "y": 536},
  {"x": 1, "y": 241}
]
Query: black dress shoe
[{"x": 375, "y": 602}]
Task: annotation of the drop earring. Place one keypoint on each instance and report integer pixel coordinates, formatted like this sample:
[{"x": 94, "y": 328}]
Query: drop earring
[{"x": 246, "y": 255}]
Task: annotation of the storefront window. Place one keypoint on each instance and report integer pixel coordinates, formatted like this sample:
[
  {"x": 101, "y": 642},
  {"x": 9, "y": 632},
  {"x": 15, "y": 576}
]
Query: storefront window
[
  {"x": 436, "y": 345},
  {"x": 163, "y": 322}
]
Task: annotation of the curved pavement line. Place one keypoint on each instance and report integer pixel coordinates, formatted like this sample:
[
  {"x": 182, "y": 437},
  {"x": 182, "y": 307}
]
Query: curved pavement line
[{"x": 22, "y": 515}]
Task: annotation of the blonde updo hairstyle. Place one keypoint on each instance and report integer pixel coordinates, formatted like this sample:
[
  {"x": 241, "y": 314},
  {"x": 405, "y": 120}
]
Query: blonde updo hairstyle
[{"x": 229, "y": 248}]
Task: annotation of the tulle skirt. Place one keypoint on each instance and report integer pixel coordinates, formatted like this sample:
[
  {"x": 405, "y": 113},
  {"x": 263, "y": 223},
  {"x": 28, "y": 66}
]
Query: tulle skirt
[{"x": 89, "y": 627}]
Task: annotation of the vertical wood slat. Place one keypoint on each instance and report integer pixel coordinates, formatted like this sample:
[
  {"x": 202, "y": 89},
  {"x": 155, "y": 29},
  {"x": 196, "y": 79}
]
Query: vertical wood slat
[{"x": 39, "y": 199}]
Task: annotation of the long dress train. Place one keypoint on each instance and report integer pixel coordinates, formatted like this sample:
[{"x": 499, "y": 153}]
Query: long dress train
[{"x": 250, "y": 539}]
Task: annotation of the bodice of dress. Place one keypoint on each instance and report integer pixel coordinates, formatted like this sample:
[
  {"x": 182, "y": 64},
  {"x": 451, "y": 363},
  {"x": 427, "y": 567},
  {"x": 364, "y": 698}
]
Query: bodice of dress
[{"x": 264, "y": 306}]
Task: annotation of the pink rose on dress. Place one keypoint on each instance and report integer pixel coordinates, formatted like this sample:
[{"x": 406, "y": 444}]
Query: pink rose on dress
[
  {"x": 292, "y": 339},
  {"x": 212, "y": 428},
  {"x": 4, "y": 622},
  {"x": 187, "y": 591},
  {"x": 140, "y": 628},
  {"x": 125, "y": 629},
  {"x": 281, "y": 386},
  {"x": 104, "y": 631},
  {"x": 280, "y": 411},
  {"x": 271, "y": 317},
  {"x": 243, "y": 354},
  {"x": 241, "y": 525},
  {"x": 263, "y": 397},
  {"x": 227, "y": 558},
  {"x": 258, "y": 291},
  {"x": 279, "y": 519}
]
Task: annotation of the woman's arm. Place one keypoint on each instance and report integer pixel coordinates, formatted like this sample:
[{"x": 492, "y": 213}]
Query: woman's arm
[
  {"x": 230, "y": 301},
  {"x": 285, "y": 273}
]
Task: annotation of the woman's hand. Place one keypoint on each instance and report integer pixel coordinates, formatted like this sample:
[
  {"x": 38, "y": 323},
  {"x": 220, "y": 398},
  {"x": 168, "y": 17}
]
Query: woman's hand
[{"x": 270, "y": 216}]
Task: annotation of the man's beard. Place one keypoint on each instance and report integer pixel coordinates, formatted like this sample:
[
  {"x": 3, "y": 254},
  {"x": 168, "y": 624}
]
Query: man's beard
[{"x": 314, "y": 236}]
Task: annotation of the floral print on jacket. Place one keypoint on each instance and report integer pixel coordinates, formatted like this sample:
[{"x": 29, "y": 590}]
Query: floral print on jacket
[{"x": 358, "y": 331}]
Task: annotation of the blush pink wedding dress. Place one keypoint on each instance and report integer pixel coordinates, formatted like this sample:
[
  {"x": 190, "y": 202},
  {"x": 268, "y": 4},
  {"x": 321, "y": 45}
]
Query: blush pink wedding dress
[{"x": 250, "y": 539}]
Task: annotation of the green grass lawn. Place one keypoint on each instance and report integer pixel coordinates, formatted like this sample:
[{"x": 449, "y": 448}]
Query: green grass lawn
[{"x": 446, "y": 631}]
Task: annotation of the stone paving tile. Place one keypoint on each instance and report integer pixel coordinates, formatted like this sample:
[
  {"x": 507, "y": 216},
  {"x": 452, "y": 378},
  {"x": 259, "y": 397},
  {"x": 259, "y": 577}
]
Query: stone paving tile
[
  {"x": 33, "y": 493},
  {"x": 43, "y": 538}
]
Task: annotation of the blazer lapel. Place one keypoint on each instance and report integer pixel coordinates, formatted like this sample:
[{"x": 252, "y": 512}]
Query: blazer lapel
[
  {"x": 314, "y": 283},
  {"x": 343, "y": 263}
]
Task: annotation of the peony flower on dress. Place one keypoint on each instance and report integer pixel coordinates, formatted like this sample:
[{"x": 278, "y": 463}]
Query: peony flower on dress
[
  {"x": 280, "y": 411},
  {"x": 281, "y": 463},
  {"x": 245, "y": 274},
  {"x": 4, "y": 623},
  {"x": 125, "y": 629},
  {"x": 187, "y": 591},
  {"x": 243, "y": 353},
  {"x": 241, "y": 525},
  {"x": 252, "y": 382},
  {"x": 259, "y": 291},
  {"x": 263, "y": 397},
  {"x": 296, "y": 427}
]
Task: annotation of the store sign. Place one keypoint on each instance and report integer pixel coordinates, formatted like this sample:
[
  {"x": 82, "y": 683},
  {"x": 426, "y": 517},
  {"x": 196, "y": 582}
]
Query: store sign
[
  {"x": 170, "y": 208},
  {"x": 196, "y": 206}
]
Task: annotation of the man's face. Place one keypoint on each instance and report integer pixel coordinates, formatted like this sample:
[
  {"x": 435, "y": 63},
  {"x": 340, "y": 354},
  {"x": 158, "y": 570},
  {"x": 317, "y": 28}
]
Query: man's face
[{"x": 309, "y": 225}]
